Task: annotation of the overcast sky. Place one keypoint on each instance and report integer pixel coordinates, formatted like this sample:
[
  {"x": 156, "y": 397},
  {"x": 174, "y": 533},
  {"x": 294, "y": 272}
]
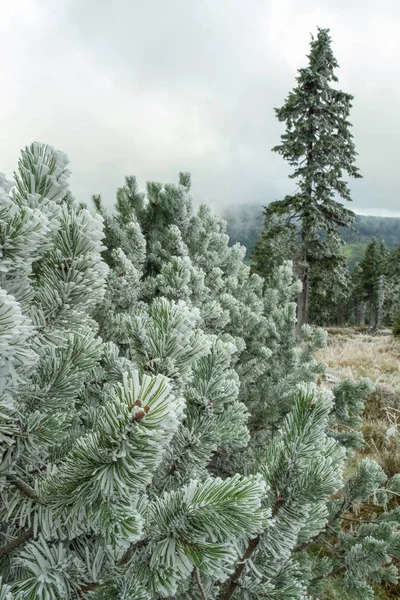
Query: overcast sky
[{"x": 154, "y": 87}]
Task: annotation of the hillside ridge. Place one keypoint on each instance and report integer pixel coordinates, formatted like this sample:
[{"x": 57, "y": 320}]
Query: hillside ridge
[{"x": 245, "y": 223}]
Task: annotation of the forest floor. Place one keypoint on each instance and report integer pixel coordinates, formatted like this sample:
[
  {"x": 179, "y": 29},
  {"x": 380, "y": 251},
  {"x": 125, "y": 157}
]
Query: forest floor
[{"x": 350, "y": 353}]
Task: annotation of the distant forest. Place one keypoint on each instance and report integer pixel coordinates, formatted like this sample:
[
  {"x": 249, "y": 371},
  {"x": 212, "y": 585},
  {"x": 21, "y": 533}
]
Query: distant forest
[{"x": 245, "y": 223}]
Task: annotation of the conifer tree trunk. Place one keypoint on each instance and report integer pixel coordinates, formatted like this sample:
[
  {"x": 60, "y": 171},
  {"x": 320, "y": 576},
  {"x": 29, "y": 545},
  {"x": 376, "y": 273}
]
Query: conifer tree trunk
[{"x": 302, "y": 299}]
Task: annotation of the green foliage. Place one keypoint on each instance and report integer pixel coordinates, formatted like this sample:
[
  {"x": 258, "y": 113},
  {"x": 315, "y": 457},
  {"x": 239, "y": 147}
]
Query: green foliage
[{"x": 354, "y": 253}]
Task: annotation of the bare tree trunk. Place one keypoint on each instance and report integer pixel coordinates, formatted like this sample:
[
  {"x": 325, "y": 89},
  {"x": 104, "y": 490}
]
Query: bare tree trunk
[
  {"x": 381, "y": 300},
  {"x": 363, "y": 309}
]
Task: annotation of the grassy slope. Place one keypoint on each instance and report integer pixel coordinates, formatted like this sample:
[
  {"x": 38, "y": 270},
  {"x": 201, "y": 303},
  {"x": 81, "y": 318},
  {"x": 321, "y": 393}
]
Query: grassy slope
[{"x": 353, "y": 354}]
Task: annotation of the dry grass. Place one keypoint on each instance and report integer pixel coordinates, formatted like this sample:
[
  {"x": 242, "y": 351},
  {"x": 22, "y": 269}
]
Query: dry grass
[
  {"x": 351, "y": 354},
  {"x": 380, "y": 447}
]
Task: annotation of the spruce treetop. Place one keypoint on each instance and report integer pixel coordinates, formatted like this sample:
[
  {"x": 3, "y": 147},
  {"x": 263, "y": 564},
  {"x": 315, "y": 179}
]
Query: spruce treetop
[{"x": 318, "y": 142}]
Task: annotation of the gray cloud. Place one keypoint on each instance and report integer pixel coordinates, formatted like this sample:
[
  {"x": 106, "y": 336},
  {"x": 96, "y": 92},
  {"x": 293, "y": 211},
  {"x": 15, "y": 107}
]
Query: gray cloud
[{"x": 152, "y": 88}]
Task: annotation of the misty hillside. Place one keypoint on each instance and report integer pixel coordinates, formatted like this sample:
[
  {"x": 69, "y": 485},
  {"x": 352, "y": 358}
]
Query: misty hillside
[{"x": 245, "y": 223}]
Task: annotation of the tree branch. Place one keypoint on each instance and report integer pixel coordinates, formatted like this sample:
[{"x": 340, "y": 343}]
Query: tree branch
[
  {"x": 129, "y": 553},
  {"x": 123, "y": 561},
  {"x": 87, "y": 588},
  {"x": 361, "y": 521},
  {"x": 330, "y": 574},
  {"x": 23, "y": 487},
  {"x": 233, "y": 581},
  {"x": 17, "y": 542},
  {"x": 25, "y": 535},
  {"x": 328, "y": 525},
  {"x": 198, "y": 582}
]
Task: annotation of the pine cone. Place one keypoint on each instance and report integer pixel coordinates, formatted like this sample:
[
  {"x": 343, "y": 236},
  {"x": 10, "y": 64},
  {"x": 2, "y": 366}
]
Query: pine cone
[{"x": 140, "y": 415}]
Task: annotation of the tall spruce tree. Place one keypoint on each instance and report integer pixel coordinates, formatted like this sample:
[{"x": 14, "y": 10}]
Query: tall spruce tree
[
  {"x": 318, "y": 144},
  {"x": 184, "y": 452}
]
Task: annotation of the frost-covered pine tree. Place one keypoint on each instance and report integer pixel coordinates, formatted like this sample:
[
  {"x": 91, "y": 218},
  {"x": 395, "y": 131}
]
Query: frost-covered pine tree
[
  {"x": 161, "y": 433},
  {"x": 188, "y": 259}
]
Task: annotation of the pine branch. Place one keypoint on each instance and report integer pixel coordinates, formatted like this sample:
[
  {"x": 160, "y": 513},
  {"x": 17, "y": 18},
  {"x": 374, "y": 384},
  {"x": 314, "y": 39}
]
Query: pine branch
[
  {"x": 123, "y": 561},
  {"x": 198, "y": 582},
  {"x": 17, "y": 542},
  {"x": 233, "y": 580},
  {"x": 28, "y": 534},
  {"x": 23, "y": 487},
  {"x": 87, "y": 588},
  {"x": 316, "y": 537},
  {"x": 305, "y": 545},
  {"x": 129, "y": 553},
  {"x": 362, "y": 521},
  {"x": 330, "y": 574}
]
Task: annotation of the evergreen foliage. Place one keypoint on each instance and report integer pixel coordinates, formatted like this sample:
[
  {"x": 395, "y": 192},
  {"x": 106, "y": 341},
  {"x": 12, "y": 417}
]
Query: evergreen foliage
[
  {"x": 375, "y": 283},
  {"x": 391, "y": 272},
  {"x": 318, "y": 144},
  {"x": 162, "y": 433}
]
